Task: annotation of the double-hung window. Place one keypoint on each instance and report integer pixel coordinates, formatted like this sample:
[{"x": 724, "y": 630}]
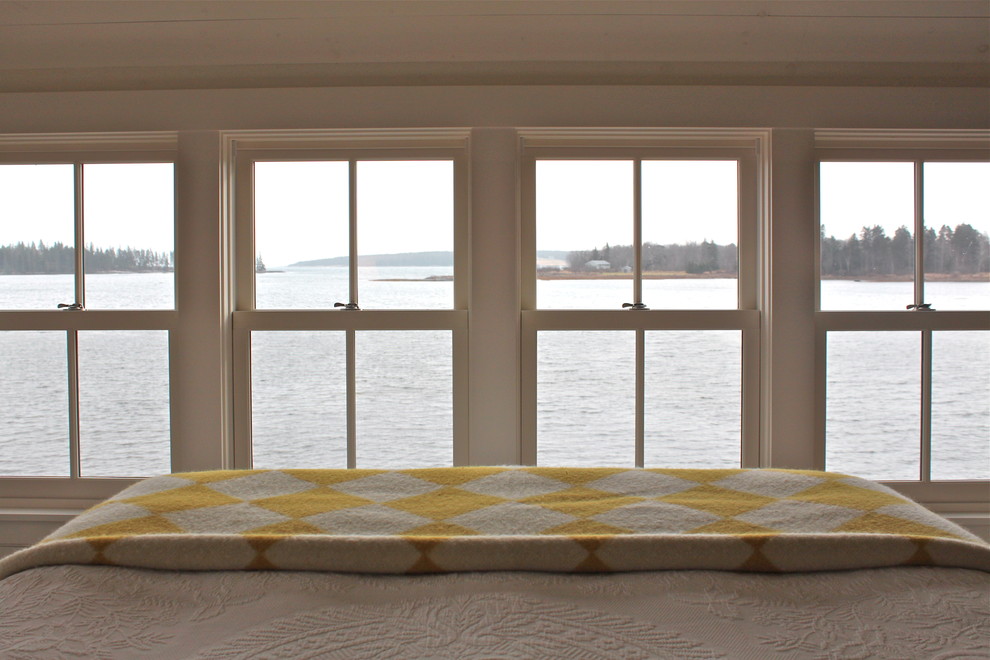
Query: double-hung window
[
  {"x": 350, "y": 313},
  {"x": 904, "y": 300},
  {"x": 87, "y": 303},
  {"x": 641, "y": 298}
]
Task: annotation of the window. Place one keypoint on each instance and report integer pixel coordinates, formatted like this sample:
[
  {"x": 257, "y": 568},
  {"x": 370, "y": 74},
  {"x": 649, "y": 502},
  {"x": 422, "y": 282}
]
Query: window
[
  {"x": 351, "y": 301},
  {"x": 641, "y": 290},
  {"x": 509, "y": 346},
  {"x": 903, "y": 327},
  {"x": 87, "y": 299}
]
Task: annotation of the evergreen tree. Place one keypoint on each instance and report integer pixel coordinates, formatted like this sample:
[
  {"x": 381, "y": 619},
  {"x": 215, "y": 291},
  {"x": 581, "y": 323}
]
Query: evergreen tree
[{"x": 38, "y": 258}]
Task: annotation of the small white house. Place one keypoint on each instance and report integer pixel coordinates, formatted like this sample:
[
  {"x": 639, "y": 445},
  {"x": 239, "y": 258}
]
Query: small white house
[{"x": 597, "y": 264}]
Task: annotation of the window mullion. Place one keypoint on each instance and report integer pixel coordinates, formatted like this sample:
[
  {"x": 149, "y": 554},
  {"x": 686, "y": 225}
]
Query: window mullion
[
  {"x": 352, "y": 251},
  {"x": 919, "y": 234},
  {"x": 638, "y": 302},
  {"x": 72, "y": 351},
  {"x": 926, "y": 405},
  {"x": 350, "y": 343},
  {"x": 72, "y": 336},
  {"x": 350, "y": 349},
  {"x": 640, "y": 396},
  {"x": 80, "y": 237},
  {"x": 638, "y": 233},
  {"x": 926, "y": 335}
]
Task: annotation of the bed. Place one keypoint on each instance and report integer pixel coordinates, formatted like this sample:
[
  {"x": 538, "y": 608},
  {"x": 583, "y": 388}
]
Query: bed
[{"x": 504, "y": 562}]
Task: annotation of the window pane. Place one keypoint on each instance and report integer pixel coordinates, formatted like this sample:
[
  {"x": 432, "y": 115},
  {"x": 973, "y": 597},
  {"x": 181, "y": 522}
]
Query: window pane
[
  {"x": 299, "y": 399},
  {"x": 586, "y": 398},
  {"x": 690, "y": 234},
  {"x": 961, "y": 405},
  {"x": 693, "y": 399},
  {"x": 37, "y": 234},
  {"x": 129, "y": 228},
  {"x": 583, "y": 209},
  {"x": 404, "y": 399},
  {"x": 34, "y": 415},
  {"x": 957, "y": 235},
  {"x": 405, "y": 234},
  {"x": 873, "y": 404},
  {"x": 124, "y": 403},
  {"x": 867, "y": 235},
  {"x": 301, "y": 234}
]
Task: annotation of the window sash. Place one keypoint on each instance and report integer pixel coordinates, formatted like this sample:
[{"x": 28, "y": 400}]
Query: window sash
[
  {"x": 918, "y": 227},
  {"x": 79, "y": 150},
  {"x": 917, "y": 147},
  {"x": 201, "y": 157},
  {"x": 640, "y": 321},
  {"x": 247, "y": 149},
  {"x": 750, "y": 193},
  {"x": 243, "y": 188},
  {"x": 746, "y": 149}
]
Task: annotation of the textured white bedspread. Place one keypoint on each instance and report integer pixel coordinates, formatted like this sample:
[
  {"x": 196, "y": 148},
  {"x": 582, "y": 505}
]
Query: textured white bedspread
[{"x": 103, "y": 612}]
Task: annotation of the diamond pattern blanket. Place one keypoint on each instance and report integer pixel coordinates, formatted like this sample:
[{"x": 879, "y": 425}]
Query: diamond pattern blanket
[{"x": 507, "y": 518}]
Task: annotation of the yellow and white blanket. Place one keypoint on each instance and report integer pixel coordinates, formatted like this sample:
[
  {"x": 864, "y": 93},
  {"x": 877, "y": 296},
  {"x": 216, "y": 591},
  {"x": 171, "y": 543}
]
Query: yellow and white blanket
[{"x": 506, "y": 518}]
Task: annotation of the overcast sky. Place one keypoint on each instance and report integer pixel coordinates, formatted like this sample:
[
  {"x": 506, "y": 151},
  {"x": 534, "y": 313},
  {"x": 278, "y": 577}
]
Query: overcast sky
[
  {"x": 302, "y": 208},
  {"x": 857, "y": 195},
  {"x": 128, "y": 205}
]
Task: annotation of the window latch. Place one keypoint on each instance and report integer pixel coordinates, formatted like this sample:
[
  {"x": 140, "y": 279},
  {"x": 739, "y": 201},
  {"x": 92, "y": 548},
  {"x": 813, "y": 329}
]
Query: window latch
[
  {"x": 74, "y": 307},
  {"x": 638, "y": 305},
  {"x": 923, "y": 307},
  {"x": 347, "y": 306}
]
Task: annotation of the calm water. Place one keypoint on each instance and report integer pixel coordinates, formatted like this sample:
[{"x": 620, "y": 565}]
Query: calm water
[{"x": 585, "y": 394}]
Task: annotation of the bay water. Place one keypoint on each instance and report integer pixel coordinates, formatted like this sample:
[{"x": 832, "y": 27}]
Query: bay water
[{"x": 586, "y": 380}]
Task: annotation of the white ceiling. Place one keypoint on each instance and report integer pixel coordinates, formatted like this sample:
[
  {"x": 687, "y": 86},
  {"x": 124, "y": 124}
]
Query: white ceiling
[{"x": 169, "y": 44}]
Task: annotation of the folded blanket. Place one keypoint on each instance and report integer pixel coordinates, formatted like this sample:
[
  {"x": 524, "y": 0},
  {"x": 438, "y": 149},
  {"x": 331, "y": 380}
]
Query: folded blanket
[{"x": 507, "y": 518}]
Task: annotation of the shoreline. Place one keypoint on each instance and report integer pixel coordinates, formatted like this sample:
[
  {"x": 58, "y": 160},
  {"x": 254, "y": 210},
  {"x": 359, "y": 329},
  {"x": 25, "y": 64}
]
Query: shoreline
[
  {"x": 649, "y": 275},
  {"x": 665, "y": 275},
  {"x": 679, "y": 275}
]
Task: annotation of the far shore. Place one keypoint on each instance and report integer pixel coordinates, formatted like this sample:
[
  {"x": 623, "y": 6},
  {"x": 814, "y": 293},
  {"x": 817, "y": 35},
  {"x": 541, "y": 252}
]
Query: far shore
[
  {"x": 648, "y": 275},
  {"x": 711, "y": 275}
]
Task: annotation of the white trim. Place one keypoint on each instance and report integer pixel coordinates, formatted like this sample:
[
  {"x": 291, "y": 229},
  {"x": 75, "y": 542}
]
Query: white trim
[
  {"x": 57, "y": 492},
  {"x": 241, "y": 149},
  {"x": 376, "y": 319},
  {"x": 902, "y": 139},
  {"x": 81, "y": 149},
  {"x": 750, "y": 148},
  {"x": 647, "y": 319},
  {"x": 90, "y": 319},
  {"x": 918, "y": 147},
  {"x": 646, "y": 138},
  {"x": 487, "y": 308},
  {"x": 75, "y": 143},
  {"x": 902, "y": 320},
  {"x": 343, "y": 139}
]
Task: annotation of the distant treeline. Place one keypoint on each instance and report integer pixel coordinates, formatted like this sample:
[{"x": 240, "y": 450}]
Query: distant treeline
[
  {"x": 694, "y": 258},
  {"x": 38, "y": 258},
  {"x": 962, "y": 250},
  {"x": 404, "y": 259}
]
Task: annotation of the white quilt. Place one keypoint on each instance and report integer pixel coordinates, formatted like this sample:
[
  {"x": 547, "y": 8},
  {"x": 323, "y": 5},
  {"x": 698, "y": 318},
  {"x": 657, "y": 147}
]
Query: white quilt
[{"x": 106, "y": 612}]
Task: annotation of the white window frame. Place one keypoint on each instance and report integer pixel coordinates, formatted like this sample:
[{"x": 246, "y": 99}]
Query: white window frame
[
  {"x": 494, "y": 318},
  {"x": 242, "y": 150},
  {"x": 914, "y": 147},
  {"x": 74, "y": 491},
  {"x": 750, "y": 149}
]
